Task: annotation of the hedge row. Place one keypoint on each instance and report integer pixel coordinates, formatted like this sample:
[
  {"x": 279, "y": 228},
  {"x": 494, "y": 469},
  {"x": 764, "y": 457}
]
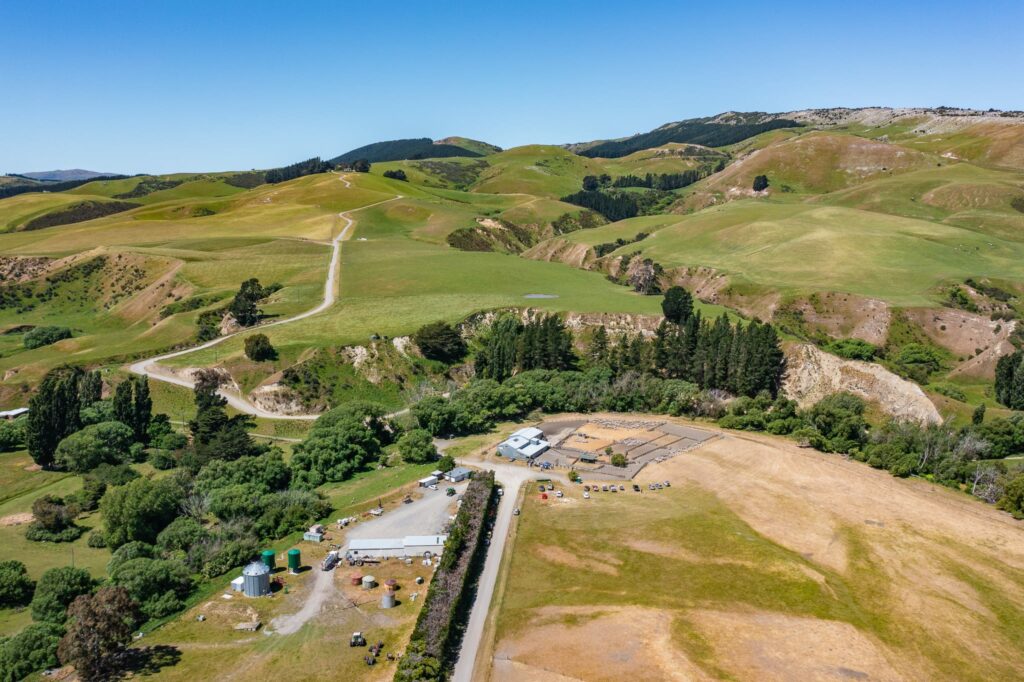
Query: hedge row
[{"x": 438, "y": 632}]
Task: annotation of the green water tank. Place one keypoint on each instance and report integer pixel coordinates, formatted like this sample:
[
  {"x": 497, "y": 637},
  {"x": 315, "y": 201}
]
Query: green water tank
[
  {"x": 269, "y": 559},
  {"x": 294, "y": 560}
]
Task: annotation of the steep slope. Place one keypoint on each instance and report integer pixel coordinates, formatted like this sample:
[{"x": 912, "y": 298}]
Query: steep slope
[{"x": 817, "y": 163}]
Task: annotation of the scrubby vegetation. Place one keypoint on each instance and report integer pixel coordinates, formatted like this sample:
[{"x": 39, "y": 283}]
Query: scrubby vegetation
[
  {"x": 80, "y": 212},
  {"x": 148, "y": 186},
  {"x": 440, "y": 341},
  {"x": 44, "y": 336},
  {"x": 704, "y": 131},
  {"x": 398, "y": 150}
]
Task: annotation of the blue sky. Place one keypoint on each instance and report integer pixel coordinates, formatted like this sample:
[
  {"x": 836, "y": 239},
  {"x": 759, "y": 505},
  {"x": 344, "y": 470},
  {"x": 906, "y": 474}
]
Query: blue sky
[{"x": 163, "y": 86}]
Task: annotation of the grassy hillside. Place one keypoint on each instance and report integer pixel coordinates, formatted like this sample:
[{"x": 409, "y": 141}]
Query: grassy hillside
[{"x": 806, "y": 248}]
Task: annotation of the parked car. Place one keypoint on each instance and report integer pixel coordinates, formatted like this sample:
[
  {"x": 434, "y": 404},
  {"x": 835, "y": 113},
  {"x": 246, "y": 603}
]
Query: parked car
[
  {"x": 586, "y": 488},
  {"x": 541, "y": 487},
  {"x": 658, "y": 486},
  {"x": 650, "y": 486},
  {"x": 636, "y": 488},
  {"x": 515, "y": 512},
  {"x": 604, "y": 488},
  {"x": 586, "y": 496},
  {"x": 667, "y": 484},
  {"x": 558, "y": 494},
  {"x": 433, "y": 486},
  {"x": 622, "y": 488}
]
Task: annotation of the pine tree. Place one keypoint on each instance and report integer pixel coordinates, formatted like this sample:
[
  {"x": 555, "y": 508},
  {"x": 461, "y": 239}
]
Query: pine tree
[
  {"x": 677, "y": 306},
  {"x": 124, "y": 403},
  {"x": 142, "y": 410},
  {"x": 598, "y": 352},
  {"x": 91, "y": 388},
  {"x": 53, "y": 413},
  {"x": 1016, "y": 397}
]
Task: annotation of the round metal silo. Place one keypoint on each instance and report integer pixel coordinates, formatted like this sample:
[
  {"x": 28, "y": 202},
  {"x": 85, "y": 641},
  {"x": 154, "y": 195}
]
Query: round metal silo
[
  {"x": 269, "y": 558},
  {"x": 294, "y": 560},
  {"x": 256, "y": 579},
  {"x": 387, "y": 600},
  {"x": 369, "y": 582}
]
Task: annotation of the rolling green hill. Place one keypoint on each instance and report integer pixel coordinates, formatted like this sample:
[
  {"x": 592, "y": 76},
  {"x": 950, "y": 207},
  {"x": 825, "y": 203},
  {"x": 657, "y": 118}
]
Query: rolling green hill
[
  {"x": 863, "y": 202},
  {"x": 416, "y": 148}
]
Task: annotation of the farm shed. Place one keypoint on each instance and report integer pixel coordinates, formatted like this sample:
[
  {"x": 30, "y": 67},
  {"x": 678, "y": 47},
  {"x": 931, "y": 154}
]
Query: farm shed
[
  {"x": 524, "y": 444},
  {"x": 13, "y": 414},
  {"x": 408, "y": 546},
  {"x": 428, "y": 481},
  {"x": 459, "y": 474}
]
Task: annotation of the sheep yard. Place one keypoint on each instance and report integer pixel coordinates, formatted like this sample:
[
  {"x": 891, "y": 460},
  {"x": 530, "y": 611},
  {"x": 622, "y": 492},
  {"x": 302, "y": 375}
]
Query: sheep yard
[{"x": 762, "y": 561}]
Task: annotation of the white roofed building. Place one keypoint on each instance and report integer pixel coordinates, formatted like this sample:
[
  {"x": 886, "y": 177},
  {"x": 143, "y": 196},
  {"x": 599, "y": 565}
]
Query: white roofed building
[{"x": 524, "y": 444}]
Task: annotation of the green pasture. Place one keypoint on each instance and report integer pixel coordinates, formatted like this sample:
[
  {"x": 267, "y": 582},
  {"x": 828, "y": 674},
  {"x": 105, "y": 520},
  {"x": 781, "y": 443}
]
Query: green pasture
[{"x": 805, "y": 248}]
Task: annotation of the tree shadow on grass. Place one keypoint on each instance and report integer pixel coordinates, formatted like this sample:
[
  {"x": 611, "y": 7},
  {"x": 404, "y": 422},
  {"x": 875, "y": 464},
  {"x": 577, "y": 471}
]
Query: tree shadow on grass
[{"x": 148, "y": 660}]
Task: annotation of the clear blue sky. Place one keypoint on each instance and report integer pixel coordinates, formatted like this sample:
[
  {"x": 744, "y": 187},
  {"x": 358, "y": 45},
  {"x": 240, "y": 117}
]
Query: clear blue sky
[{"x": 159, "y": 86}]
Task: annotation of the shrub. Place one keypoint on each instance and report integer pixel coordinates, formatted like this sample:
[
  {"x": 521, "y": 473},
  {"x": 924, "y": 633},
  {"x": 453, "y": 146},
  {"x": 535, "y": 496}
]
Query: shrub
[
  {"x": 103, "y": 443},
  {"x": 446, "y": 463},
  {"x": 258, "y": 348},
  {"x": 417, "y": 447},
  {"x": 395, "y": 174},
  {"x": 163, "y": 460},
  {"x": 16, "y": 586},
  {"x": 57, "y": 588},
  {"x": 181, "y": 535},
  {"x": 44, "y": 336},
  {"x": 12, "y": 434},
  {"x": 54, "y": 521},
  {"x": 760, "y": 183},
  {"x": 852, "y": 349},
  {"x": 96, "y": 539},
  {"x": 619, "y": 460},
  {"x": 440, "y": 341},
  {"x": 32, "y": 649},
  {"x": 158, "y": 585},
  {"x": 140, "y": 510}
]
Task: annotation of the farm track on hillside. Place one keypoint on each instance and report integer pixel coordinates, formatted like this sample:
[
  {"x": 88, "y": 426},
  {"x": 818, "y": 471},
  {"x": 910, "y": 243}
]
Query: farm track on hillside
[{"x": 150, "y": 367}]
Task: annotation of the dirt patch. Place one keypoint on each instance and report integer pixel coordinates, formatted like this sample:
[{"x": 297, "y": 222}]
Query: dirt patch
[
  {"x": 812, "y": 374},
  {"x": 847, "y": 316},
  {"x": 16, "y": 519},
  {"x": 976, "y": 338},
  {"x": 566, "y": 644},
  {"x": 770, "y": 646},
  {"x": 15, "y": 269},
  {"x": 560, "y": 555}
]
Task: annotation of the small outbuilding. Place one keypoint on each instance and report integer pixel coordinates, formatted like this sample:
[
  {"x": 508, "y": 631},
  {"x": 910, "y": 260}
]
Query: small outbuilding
[
  {"x": 524, "y": 444},
  {"x": 428, "y": 481},
  {"x": 14, "y": 413},
  {"x": 459, "y": 474},
  {"x": 408, "y": 546}
]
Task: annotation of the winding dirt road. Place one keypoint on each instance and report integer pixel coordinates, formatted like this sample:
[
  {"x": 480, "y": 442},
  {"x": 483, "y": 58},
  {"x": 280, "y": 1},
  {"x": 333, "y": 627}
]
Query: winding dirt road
[{"x": 151, "y": 368}]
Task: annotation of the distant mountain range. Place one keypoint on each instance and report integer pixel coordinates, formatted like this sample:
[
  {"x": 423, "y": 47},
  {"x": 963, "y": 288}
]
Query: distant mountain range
[{"x": 64, "y": 175}]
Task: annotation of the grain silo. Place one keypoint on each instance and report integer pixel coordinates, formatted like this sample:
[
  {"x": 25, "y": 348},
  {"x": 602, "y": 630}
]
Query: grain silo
[
  {"x": 256, "y": 579},
  {"x": 294, "y": 561}
]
